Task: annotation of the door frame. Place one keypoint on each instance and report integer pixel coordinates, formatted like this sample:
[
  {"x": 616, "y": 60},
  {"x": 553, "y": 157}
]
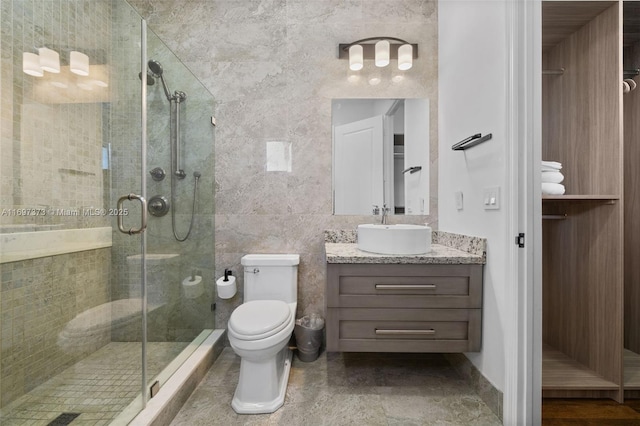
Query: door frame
[{"x": 523, "y": 337}]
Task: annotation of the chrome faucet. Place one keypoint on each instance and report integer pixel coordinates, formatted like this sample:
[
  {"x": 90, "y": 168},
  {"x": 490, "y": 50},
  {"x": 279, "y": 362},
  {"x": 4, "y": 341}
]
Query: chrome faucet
[{"x": 385, "y": 210}]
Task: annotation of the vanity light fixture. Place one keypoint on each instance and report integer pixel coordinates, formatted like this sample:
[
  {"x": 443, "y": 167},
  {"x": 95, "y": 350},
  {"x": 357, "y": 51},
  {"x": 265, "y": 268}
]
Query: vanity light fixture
[{"x": 382, "y": 51}]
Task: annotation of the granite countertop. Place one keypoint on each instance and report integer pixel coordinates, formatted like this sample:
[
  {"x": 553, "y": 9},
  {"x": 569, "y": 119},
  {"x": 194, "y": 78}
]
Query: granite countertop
[
  {"x": 439, "y": 254},
  {"x": 446, "y": 249}
]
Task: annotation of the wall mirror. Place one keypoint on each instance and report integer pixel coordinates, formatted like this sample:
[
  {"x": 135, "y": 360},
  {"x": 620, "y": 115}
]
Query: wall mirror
[{"x": 380, "y": 156}]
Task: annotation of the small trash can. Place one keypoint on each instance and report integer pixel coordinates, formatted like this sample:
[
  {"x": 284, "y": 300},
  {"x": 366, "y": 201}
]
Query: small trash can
[{"x": 309, "y": 332}]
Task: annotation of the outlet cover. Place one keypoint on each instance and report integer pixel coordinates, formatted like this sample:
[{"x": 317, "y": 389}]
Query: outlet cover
[{"x": 459, "y": 200}]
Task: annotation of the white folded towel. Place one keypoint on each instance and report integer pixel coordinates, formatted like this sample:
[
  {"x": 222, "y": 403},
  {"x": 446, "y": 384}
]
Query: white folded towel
[
  {"x": 551, "y": 166},
  {"x": 552, "y": 177},
  {"x": 552, "y": 188}
]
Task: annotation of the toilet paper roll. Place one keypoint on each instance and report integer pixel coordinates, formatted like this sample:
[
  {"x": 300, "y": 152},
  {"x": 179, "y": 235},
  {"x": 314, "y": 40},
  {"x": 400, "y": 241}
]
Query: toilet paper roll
[
  {"x": 193, "y": 288},
  {"x": 226, "y": 289}
]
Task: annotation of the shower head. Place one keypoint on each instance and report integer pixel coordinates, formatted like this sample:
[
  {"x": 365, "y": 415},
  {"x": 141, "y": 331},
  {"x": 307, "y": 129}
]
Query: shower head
[
  {"x": 150, "y": 80},
  {"x": 197, "y": 175},
  {"x": 156, "y": 70}
]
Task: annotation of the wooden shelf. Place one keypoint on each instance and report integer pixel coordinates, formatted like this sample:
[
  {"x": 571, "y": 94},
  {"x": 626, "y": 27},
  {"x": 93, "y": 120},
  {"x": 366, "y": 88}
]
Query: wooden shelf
[
  {"x": 582, "y": 197},
  {"x": 559, "y": 372},
  {"x": 631, "y": 370}
]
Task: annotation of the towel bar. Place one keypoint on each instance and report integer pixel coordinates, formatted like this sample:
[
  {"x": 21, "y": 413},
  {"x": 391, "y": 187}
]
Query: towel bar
[{"x": 471, "y": 141}]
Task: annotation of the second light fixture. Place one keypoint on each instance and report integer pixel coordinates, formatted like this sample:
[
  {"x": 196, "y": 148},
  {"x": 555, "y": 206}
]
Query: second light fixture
[{"x": 383, "y": 51}]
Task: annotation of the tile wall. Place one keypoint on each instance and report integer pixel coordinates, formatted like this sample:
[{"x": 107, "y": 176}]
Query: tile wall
[
  {"x": 272, "y": 67},
  {"x": 50, "y": 160},
  {"x": 51, "y": 143},
  {"x": 38, "y": 298},
  {"x": 52, "y": 137}
]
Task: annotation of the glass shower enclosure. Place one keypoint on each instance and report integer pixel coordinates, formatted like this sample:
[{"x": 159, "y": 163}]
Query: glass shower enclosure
[{"x": 106, "y": 249}]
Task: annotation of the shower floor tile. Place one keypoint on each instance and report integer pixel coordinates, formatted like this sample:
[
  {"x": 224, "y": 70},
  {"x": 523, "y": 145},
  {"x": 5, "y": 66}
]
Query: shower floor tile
[
  {"x": 98, "y": 387},
  {"x": 347, "y": 389}
]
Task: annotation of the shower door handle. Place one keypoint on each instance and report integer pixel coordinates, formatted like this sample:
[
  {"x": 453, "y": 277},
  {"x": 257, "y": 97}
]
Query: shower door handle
[{"x": 143, "y": 219}]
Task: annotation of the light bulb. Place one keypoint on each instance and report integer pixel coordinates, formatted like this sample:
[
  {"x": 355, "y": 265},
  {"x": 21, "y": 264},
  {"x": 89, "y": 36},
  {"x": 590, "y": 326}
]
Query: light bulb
[
  {"x": 356, "y": 58},
  {"x": 79, "y": 63},
  {"x": 49, "y": 60},
  {"x": 405, "y": 57},
  {"x": 382, "y": 53},
  {"x": 31, "y": 64}
]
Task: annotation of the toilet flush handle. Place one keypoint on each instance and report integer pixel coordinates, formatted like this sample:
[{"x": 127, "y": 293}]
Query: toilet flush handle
[{"x": 255, "y": 271}]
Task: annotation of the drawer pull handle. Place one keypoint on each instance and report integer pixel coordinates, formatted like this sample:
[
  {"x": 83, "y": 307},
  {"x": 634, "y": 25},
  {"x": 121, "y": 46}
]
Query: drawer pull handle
[
  {"x": 401, "y": 332},
  {"x": 405, "y": 286}
]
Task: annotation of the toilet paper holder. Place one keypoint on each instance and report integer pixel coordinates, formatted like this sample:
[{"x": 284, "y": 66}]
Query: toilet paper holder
[
  {"x": 226, "y": 287},
  {"x": 227, "y": 274}
]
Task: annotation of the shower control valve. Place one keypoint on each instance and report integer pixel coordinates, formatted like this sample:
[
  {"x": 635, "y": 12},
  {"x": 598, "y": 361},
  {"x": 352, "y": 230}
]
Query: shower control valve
[
  {"x": 158, "y": 206},
  {"x": 157, "y": 174}
]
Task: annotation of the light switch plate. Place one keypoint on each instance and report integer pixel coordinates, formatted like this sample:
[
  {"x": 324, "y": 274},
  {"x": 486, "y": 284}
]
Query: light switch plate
[{"x": 491, "y": 198}]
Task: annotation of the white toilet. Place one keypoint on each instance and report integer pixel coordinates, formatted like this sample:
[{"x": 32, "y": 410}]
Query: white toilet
[{"x": 260, "y": 329}]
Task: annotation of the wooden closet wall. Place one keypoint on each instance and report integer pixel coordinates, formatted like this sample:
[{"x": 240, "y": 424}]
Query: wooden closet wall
[
  {"x": 583, "y": 230},
  {"x": 631, "y": 104}
]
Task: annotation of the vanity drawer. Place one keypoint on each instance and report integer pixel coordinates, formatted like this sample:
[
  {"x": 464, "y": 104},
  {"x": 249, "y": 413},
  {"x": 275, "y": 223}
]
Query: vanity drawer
[
  {"x": 403, "y": 330},
  {"x": 404, "y": 286}
]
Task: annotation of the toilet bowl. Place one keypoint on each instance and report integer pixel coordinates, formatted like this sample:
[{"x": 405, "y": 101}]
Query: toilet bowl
[{"x": 260, "y": 329}]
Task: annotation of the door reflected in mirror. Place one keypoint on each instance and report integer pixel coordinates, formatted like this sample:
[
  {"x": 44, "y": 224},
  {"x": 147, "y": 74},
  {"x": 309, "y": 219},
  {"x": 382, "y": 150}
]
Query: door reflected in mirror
[{"x": 380, "y": 156}]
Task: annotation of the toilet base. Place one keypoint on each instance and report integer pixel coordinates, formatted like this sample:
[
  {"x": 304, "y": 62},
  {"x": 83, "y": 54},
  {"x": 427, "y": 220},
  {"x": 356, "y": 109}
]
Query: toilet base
[{"x": 262, "y": 386}]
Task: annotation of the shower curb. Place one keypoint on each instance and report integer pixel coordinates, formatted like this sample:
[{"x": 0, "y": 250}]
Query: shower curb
[{"x": 163, "y": 407}]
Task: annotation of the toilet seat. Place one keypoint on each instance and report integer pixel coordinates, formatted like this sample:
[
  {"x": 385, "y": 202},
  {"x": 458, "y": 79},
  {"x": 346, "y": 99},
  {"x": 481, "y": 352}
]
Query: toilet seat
[{"x": 259, "y": 319}]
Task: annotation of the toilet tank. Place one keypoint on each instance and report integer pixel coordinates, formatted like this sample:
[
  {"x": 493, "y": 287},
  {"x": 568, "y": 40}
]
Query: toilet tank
[{"x": 271, "y": 277}]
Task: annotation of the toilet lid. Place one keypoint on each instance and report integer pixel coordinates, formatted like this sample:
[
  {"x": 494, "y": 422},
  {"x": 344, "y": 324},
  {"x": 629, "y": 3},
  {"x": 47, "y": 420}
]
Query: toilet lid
[{"x": 259, "y": 319}]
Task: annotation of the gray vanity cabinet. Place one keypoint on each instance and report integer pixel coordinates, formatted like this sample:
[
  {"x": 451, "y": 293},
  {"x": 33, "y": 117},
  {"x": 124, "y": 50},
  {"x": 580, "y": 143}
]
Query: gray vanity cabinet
[{"x": 404, "y": 308}]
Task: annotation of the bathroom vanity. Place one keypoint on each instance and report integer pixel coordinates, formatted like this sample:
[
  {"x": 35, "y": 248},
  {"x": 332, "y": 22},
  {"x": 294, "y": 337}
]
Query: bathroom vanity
[{"x": 404, "y": 303}]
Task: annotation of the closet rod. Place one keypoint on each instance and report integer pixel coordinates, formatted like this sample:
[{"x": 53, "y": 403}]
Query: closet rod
[
  {"x": 554, "y": 216},
  {"x": 559, "y": 71},
  {"x": 631, "y": 72}
]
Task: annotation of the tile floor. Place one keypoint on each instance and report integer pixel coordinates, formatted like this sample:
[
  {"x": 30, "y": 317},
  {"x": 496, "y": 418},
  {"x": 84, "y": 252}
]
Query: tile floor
[
  {"x": 347, "y": 389},
  {"x": 98, "y": 387}
]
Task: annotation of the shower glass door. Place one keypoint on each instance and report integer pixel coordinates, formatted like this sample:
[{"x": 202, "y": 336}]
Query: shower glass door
[
  {"x": 77, "y": 340},
  {"x": 179, "y": 236}
]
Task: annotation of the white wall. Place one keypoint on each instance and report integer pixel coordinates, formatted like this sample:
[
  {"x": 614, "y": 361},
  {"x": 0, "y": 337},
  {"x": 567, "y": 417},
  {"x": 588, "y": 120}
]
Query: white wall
[{"x": 472, "y": 99}]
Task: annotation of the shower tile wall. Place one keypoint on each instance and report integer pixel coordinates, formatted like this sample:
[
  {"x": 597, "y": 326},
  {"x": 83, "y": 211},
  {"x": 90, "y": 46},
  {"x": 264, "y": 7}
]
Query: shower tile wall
[
  {"x": 51, "y": 145},
  {"x": 39, "y": 297},
  {"x": 51, "y": 159},
  {"x": 273, "y": 70}
]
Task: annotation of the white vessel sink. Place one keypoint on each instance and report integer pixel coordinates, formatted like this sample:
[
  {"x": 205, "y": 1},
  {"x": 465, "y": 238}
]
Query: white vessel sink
[{"x": 394, "y": 239}]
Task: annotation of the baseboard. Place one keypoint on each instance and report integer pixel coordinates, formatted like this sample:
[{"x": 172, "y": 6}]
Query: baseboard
[{"x": 483, "y": 387}]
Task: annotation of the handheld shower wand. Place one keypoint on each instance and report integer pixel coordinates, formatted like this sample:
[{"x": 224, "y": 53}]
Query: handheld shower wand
[
  {"x": 157, "y": 72},
  {"x": 175, "y": 99}
]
